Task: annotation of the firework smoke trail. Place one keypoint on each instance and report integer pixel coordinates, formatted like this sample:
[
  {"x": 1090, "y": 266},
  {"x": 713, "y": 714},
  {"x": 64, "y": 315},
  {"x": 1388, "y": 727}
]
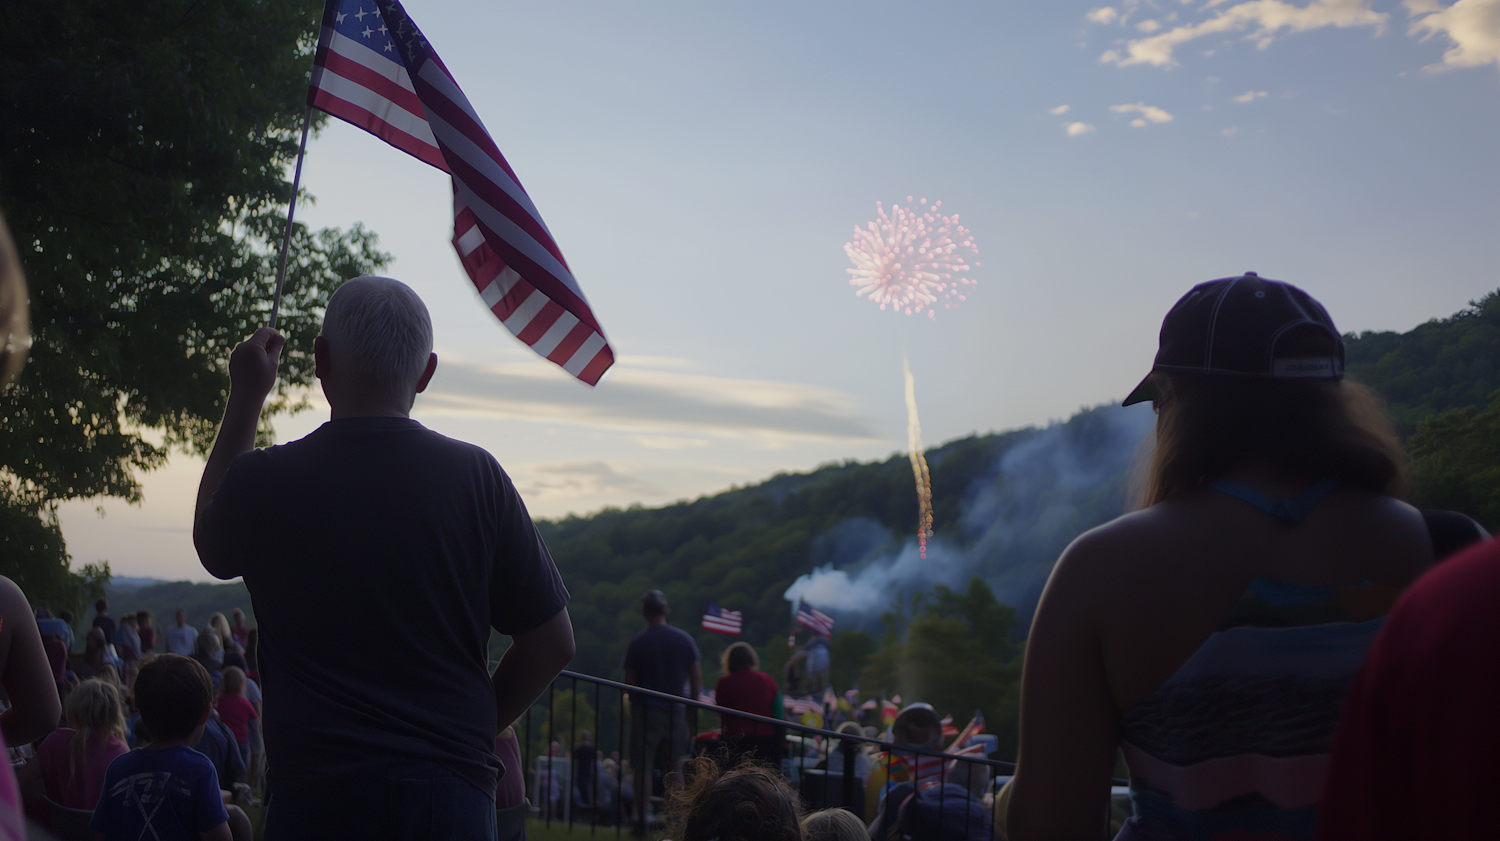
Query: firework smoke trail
[
  {"x": 918, "y": 462},
  {"x": 909, "y": 259}
]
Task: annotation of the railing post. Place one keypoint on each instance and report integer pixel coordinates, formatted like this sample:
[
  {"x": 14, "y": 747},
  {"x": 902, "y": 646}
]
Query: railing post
[{"x": 850, "y": 749}]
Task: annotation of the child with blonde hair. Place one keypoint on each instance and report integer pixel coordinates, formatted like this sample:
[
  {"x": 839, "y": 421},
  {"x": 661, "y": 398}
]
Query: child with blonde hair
[
  {"x": 72, "y": 761},
  {"x": 235, "y": 710}
]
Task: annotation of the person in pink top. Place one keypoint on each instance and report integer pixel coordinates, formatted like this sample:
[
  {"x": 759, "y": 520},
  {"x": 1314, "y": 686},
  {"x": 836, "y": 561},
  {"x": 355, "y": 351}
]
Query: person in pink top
[
  {"x": 235, "y": 710},
  {"x": 72, "y": 761}
]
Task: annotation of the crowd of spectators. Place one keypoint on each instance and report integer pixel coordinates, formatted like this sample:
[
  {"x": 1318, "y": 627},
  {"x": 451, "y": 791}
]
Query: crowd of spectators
[{"x": 107, "y": 712}]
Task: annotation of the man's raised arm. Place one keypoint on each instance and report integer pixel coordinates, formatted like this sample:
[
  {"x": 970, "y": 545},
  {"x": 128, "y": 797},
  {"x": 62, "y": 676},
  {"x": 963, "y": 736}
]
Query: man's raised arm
[{"x": 252, "y": 375}]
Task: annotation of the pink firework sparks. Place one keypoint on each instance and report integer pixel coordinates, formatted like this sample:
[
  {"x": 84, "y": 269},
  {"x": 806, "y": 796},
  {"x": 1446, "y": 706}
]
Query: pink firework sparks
[{"x": 909, "y": 259}]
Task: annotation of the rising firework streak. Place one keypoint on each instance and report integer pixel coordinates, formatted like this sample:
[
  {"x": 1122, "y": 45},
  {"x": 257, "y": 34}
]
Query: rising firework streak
[
  {"x": 910, "y": 259},
  {"x": 918, "y": 462}
]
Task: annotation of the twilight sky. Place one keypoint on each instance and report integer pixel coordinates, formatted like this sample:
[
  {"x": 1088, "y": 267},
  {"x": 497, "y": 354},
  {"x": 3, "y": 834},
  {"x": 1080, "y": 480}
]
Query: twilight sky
[{"x": 701, "y": 166}]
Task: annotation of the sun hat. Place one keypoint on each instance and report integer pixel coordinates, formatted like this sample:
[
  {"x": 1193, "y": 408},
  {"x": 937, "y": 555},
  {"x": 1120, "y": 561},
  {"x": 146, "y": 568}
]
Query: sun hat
[{"x": 1246, "y": 326}]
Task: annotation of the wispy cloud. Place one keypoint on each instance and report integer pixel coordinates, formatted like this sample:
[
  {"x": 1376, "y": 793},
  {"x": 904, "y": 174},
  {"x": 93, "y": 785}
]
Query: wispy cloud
[
  {"x": 577, "y": 479},
  {"x": 1075, "y": 129},
  {"x": 1105, "y": 14},
  {"x": 1148, "y": 25},
  {"x": 1060, "y": 110},
  {"x": 1265, "y": 19},
  {"x": 664, "y": 405},
  {"x": 1230, "y": 132},
  {"x": 1149, "y": 114},
  {"x": 1472, "y": 26},
  {"x": 1248, "y": 96}
]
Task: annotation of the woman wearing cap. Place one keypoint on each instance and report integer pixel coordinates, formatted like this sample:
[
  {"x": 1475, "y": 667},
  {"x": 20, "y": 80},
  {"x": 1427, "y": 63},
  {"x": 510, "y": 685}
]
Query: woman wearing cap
[{"x": 1211, "y": 635}]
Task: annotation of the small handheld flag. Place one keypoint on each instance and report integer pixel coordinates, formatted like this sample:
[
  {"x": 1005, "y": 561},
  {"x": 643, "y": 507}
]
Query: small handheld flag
[
  {"x": 375, "y": 70},
  {"x": 817, "y": 620},
  {"x": 721, "y": 621}
]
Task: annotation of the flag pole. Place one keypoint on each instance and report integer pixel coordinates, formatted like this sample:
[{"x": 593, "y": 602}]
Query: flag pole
[{"x": 286, "y": 240}]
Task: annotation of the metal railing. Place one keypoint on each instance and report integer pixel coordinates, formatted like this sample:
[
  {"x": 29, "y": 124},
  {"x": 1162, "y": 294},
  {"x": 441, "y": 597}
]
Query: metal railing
[{"x": 577, "y": 702}]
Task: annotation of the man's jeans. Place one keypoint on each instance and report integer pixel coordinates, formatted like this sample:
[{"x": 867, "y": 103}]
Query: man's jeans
[{"x": 413, "y": 801}]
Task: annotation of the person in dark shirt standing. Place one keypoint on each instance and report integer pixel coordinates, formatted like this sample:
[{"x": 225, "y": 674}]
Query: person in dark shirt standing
[
  {"x": 104, "y": 621},
  {"x": 665, "y": 659},
  {"x": 429, "y": 548}
]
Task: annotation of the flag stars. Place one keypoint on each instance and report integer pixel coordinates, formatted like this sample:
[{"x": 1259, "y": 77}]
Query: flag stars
[
  {"x": 361, "y": 16},
  {"x": 341, "y": 16},
  {"x": 368, "y": 32}
]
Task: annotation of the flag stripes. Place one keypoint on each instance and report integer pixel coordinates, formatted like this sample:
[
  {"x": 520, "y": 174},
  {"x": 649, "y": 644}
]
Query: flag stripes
[
  {"x": 389, "y": 82},
  {"x": 721, "y": 621}
]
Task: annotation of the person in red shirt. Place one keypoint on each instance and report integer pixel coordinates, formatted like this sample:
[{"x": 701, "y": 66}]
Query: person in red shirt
[
  {"x": 235, "y": 710},
  {"x": 744, "y": 687}
]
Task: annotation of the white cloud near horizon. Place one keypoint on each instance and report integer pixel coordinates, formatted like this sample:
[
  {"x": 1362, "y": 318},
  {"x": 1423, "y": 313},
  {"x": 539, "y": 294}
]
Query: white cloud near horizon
[
  {"x": 1059, "y": 110},
  {"x": 1149, "y": 114},
  {"x": 1248, "y": 96},
  {"x": 1473, "y": 27},
  {"x": 1266, "y": 20},
  {"x": 1075, "y": 129},
  {"x": 671, "y": 408}
]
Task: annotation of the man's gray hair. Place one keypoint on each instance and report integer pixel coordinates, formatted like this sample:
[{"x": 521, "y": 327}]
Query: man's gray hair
[{"x": 379, "y": 332}]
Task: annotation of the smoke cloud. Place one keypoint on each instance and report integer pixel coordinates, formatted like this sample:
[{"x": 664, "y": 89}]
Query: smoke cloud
[{"x": 1044, "y": 490}]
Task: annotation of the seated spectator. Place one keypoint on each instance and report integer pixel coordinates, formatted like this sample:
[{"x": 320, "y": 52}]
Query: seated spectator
[
  {"x": 834, "y": 825},
  {"x": 863, "y": 764},
  {"x": 1413, "y": 755},
  {"x": 72, "y": 761},
  {"x": 208, "y": 650},
  {"x": 236, "y": 710},
  {"x": 916, "y": 726},
  {"x": 50, "y": 626},
  {"x": 239, "y": 629},
  {"x": 166, "y": 789},
  {"x": 220, "y": 626},
  {"x": 746, "y": 803},
  {"x": 943, "y": 812},
  {"x": 99, "y": 652},
  {"x": 218, "y": 744}
]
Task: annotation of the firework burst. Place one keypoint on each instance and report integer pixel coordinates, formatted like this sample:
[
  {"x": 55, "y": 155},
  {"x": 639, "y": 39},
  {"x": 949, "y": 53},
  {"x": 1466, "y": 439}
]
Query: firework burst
[{"x": 912, "y": 258}]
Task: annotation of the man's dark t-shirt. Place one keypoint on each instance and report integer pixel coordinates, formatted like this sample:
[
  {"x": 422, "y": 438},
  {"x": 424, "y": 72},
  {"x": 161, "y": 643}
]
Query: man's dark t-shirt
[
  {"x": 418, "y": 542},
  {"x": 107, "y": 623},
  {"x": 662, "y": 658}
]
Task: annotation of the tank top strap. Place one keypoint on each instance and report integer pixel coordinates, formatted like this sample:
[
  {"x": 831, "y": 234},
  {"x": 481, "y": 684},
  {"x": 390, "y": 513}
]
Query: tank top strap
[{"x": 1288, "y": 512}]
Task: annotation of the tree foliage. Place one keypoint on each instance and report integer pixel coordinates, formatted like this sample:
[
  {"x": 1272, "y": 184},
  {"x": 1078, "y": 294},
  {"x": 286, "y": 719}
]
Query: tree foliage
[
  {"x": 957, "y": 654},
  {"x": 1445, "y": 364},
  {"x": 1456, "y": 462},
  {"x": 143, "y": 154}
]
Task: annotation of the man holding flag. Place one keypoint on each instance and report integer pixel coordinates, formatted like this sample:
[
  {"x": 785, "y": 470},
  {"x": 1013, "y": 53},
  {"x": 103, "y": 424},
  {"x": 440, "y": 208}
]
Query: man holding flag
[{"x": 374, "y": 522}]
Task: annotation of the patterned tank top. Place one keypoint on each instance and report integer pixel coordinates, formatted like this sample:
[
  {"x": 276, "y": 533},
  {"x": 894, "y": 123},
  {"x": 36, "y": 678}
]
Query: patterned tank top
[{"x": 1234, "y": 746}]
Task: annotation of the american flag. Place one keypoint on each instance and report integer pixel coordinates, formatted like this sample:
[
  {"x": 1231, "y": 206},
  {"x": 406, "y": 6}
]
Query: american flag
[
  {"x": 721, "y": 621},
  {"x": 801, "y": 706},
  {"x": 948, "y": 727},
  {"x": 974, "y": 728},
  {"x": 375, "y": 70},
  {"x": 815, "y": 619}
]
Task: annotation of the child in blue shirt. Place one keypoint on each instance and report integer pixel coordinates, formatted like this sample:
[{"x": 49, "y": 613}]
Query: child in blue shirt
[{"x": 165, "y": 790}]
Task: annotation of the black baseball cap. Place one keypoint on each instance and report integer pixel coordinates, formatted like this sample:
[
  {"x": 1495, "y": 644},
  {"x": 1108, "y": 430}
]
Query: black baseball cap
[{"x": 1246, "y": 326}]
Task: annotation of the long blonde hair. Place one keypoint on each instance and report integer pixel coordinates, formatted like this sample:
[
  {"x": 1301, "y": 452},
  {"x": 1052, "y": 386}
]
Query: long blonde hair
[
  {"x": 221, "y": 627},
  {"x": 95, "y": 712}
]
